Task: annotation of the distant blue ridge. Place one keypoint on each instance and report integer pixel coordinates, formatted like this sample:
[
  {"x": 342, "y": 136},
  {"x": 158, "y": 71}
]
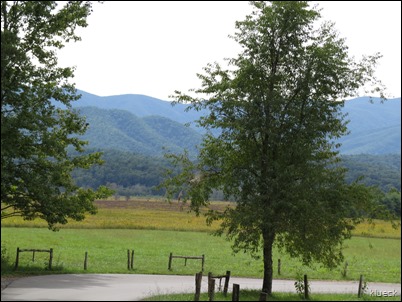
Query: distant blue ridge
[{"x": 375, "y": 127}]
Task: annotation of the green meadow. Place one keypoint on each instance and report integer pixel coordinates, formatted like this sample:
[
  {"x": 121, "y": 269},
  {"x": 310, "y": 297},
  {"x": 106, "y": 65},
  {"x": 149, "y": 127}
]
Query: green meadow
[
  {"x": 377, "y": 259},
  {"x": 154, "y": 229}
]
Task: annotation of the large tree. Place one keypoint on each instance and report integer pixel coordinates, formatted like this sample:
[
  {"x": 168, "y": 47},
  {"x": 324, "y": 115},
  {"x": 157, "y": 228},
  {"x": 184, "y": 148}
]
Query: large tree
[
  {"x": 35, "y": 133},
  {"x": 274, "y": 117}
]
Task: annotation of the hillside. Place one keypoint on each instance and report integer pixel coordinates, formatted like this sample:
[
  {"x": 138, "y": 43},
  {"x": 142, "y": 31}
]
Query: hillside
[
  {"x": 122, "y": 130},
  {"x": 140, "y": 105},
  {"x": 383, "y": 171},
  {"x": 375, "y": 128}
]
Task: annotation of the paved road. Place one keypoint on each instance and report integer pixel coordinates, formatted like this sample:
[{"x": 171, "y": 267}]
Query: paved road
[{"x": 130, "y": 287}]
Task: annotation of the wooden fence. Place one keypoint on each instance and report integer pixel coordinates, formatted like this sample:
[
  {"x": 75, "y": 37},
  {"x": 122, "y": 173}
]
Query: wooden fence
[
  {"x": 226, "y": 285},
  {"x": 202, "y": 258},
  {"x": 50, "y": 251}
]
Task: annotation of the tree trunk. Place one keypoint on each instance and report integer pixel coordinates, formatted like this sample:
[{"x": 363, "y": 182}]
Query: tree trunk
[{"x": 268, "y": 237}]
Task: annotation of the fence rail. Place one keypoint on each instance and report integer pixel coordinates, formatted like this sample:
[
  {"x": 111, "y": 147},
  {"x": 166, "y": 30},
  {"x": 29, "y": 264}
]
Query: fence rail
[
  {"x": 202, "y": 258},
  {"x": 50, "y": 251}
]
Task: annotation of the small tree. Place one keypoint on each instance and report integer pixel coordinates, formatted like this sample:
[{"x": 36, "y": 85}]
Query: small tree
[
  {"x": 35, "y": 135},
  {"x": 278, "y": 113}
]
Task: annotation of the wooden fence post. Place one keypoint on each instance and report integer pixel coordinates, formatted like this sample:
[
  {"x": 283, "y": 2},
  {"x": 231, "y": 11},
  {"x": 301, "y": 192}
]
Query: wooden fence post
[
  {"x": 209, "y": 282},
  {"x": 170, "y": 262},
  {"x": 305, "y": 287},
  {"x": 359, "y": 292},
  {"x": 345, "y": 269},
  {"x": 279, "y": 266},
  {"x": 85, "y": 260},
  {"x": 202, "y": 262},
  {"x": 236, "y": 292},
  {"x": 128, "y": 259},
  {"x": 225, "y": 287},
  {"x": 198, "y": 279},
  {"x": 17, "y": 258},
  {"x": 132, "y": 259},
  {"x": 50, "y": 258},
  {"x": 211, "y": 289}
]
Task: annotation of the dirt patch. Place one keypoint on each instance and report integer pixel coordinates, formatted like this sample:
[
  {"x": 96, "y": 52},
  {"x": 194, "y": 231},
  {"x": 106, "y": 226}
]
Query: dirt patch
[{"x": 152, "y": 204}]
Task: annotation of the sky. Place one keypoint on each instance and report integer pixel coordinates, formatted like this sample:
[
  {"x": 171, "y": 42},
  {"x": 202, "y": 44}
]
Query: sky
[{"x": 156, "y": 47}]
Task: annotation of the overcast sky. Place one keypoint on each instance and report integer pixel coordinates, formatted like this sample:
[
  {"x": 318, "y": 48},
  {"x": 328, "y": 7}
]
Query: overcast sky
[{"x": 154, "y": 48}]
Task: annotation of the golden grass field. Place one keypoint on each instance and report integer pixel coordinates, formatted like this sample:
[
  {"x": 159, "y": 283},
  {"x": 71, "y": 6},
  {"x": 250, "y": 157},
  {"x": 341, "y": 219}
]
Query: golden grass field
[{"x": 148, "y": 213}]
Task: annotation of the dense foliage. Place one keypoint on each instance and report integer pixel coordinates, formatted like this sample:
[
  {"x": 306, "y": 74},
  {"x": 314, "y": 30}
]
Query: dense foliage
[
  {"x": 35, "y": 167},
  {"x": 278, "y": 106},
  {"x": 127, "y": 173},
  {"x": 383, "y": 171},
  {"x": 124, "y": 170}
]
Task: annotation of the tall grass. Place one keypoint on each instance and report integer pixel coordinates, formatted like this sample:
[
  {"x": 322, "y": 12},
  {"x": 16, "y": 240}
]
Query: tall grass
[
  {"x": 134, "y": 214},
  {"x": 156, "y": 214}
]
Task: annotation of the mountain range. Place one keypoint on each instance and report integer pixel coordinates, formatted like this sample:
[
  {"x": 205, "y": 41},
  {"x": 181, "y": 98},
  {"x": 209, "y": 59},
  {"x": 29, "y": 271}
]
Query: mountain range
[
  {"x": 147, "y": 125},
  {"x": 150, "y": 135},
  {"x": 140, "y": 105}
]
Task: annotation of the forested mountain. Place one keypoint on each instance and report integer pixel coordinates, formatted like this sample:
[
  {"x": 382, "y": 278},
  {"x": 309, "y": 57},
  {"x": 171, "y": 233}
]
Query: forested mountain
[
  {"x": 375, "y": 128},
  {"x": 151, "y": 135},
  {"x": 134, "y": 132},
  {"x": 140, "y": 105}
]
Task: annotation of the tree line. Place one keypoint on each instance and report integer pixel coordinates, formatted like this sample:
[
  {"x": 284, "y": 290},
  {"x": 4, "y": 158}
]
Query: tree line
[{"x": 131, "y": 174}]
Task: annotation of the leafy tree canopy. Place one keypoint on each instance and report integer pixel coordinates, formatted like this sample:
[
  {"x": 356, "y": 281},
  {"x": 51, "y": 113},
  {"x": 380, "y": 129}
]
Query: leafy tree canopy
[
  {"x": 278, "y": 108},
  {"x": 35, "y": 166}
]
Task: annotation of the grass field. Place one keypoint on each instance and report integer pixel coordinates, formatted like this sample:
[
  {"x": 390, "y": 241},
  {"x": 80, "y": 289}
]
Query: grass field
[
  {"x": 154, "y": 229},
  {"x": 378, "y": 259},
  {"x": 156, "y": 214}
]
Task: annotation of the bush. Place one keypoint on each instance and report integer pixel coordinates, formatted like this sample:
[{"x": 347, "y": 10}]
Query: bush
[{"x": 5, "y": 259}]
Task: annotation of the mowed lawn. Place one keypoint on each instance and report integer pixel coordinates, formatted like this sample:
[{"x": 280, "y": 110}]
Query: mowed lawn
[{"x": 154, "y": 229}]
